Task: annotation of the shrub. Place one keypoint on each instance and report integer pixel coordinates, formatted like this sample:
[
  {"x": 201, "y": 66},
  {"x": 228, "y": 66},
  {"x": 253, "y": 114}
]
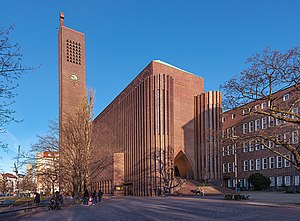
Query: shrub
[{"x": 259, "y": 181}]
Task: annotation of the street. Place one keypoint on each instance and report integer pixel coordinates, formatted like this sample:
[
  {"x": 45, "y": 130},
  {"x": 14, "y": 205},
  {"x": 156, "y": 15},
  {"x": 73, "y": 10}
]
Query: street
[{"x": 165, "y": 208}]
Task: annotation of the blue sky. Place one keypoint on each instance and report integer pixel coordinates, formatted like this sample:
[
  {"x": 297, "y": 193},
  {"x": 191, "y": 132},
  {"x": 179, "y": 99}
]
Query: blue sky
[{"x": 211, "y": 39}]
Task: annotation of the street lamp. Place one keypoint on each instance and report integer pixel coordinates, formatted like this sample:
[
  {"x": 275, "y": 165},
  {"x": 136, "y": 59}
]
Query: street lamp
[
  {"x": 235, "y": 170},
  {"x": 235, "y": 164}
]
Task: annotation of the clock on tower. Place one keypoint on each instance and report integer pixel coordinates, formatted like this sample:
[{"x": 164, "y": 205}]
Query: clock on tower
[{"x": 72, "y": 70}]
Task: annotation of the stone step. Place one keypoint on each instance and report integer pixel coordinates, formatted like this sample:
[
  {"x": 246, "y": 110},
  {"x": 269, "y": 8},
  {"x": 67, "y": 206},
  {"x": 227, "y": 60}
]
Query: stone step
[{"x": 208, "y": 190}]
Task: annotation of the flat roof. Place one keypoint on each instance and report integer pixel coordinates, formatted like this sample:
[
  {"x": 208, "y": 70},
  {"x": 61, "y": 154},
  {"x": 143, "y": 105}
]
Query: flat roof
[{"x": 172, "y": 66}]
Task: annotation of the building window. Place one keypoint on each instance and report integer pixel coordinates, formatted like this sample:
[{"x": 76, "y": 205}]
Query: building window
[
  {"x": 223, "y": 133},
  {"x": 263, "y": 105},
  {"x": 271, "y": 162},
  {"x": 295, "y": 113},
  {"x": 228, "y": 150},
  {"x": 233, "y": 131},
  {"x": 241, "y": 182},
  {"x": 278, "y": 121},
  {"x": 223, "y": 119},
  {"x": 257, "y": 145},
  {"x": 256, "y": 107},
  {"x": 245, "y": 165},
  {"x": 286, "y": 138},
  {"x": 279, "y": 162},
  {"x": 245, "y": 147},
  {"x": 229, "y": 167},
  {"x": 287, "y": 162},
  {"x": 271, "y": 144},
  {"x": 287, "y": 180},
  {"x": 228, "y": 132},
  {"x": 271, "y": 121},
  {"x": 233, "y": 149},
  {"x": 251, "y": 145},
  {"x": 286, "y": 97},
  {"x": 296, "y": 180},
  {"x": 257, "y": 164},
  {"x": 245, "y": 111},
  {"x": 224, "y": 151},
  {"x": 278, "y": 140},
  {"x": 224, "y": 168},
  {"x": 295, "y": 137},
  {"x": 251, "y": 126},
  {"x": 232, "y": 116},
  {"x": 264, "y": 123},
  {"x": 251, "y": 165},
  {"x": 245, "y": 126},
  {"x": 279, "y": 181},
  {"x": 229, "y": 183},
  {"x": 257, "y": 124},
  {"x": 246, "y": 182},
  {"x": 264, "y": 163},
  {"x": 272, "y": 179}
]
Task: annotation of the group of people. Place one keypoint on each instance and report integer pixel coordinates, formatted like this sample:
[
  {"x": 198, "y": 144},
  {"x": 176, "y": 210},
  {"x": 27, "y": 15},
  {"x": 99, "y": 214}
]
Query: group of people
[
  {"x": 92, "y": 198},
  {"x": 55, "y": 202}
]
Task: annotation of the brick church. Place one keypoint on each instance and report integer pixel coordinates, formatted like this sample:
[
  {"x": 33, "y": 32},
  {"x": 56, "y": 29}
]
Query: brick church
[{"x": 162, "y": 125}]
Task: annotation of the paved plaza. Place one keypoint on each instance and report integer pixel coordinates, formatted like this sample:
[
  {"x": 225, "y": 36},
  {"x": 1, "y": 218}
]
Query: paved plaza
[{"x": 175, "y": 208}]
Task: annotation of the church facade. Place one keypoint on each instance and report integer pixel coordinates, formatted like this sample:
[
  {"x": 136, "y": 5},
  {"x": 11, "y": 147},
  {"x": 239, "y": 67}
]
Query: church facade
[
  {"x": 158, "y": 127},
  {"x": 162, "y": 125}
]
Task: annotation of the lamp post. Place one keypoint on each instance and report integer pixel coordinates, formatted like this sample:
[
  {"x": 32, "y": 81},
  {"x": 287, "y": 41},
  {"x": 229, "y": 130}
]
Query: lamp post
[
  {"x": 235, "y": 164},
  {"x": 235, "y": 170}
]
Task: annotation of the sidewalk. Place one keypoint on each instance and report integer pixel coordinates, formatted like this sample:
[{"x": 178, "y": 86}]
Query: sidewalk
[{"x": 273, "y": 197}]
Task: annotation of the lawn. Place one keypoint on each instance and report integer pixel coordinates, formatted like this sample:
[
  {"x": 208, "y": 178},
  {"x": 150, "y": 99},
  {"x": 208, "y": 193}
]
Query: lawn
[{"x": 21, "y": 200}]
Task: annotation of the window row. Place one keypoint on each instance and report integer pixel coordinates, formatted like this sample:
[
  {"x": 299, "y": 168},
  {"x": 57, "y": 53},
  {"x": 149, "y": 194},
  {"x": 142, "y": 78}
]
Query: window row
[
  {"x": 284, "y": 180},
  {"x": 229, "y": 167},
  {"x": 265, "y": 122},
  {"x": 257, "y": 107},
  {"x": 267, "y": 163},
  {"x": 275, "y": 181},
  {"x": 228, "y": 150}
]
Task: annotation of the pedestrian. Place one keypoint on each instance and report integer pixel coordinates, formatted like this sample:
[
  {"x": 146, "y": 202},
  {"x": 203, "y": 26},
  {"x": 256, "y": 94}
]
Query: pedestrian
[
  {"x": 57, "y": 200},
  {"x": 85, "y": 197},
  {"x": 37, "y": 198},
  {"x": 199, "y": 190},
  {"x": 91, "y": 201},
  {"x": 100, "y": 194},
  {"x": 94, "y": 197}
]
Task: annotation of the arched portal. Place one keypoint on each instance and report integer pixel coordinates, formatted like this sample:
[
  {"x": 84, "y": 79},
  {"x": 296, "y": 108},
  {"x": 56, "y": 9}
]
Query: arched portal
[{"x": 182, "y": 167}]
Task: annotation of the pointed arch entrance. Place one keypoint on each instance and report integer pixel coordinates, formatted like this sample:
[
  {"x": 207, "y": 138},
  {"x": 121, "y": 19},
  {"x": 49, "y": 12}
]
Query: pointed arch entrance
[{"x": 182, "y": 167}]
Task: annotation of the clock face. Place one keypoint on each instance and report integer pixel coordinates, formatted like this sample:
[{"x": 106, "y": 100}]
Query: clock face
[{"x": 73, "y": 77}]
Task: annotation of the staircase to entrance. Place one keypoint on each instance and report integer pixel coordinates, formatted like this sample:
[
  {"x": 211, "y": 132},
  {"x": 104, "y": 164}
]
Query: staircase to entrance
[{"x": 209, "y": 189}]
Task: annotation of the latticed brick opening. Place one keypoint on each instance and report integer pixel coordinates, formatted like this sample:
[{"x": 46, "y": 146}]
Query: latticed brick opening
[{"x": 73, "y": 52}]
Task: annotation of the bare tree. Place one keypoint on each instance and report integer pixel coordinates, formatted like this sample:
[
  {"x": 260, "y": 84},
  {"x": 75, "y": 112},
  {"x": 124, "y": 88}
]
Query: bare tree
[
  {"x": 72, "y": 141},
  {"x": 77, "y": 166},
  {"x": 43, "y": 157},
  {"x": 11, "y": 69},
  {"x": 268, "y": 73},
  {"x": 28, "y": 183},
  {"x": 75, "y": 146}
]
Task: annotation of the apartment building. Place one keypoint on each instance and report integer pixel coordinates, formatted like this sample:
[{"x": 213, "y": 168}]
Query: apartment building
[{"x": 247, "y": 135}]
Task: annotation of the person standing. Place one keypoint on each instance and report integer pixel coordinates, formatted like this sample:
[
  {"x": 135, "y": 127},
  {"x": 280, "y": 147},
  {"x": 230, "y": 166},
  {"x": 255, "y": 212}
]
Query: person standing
[
  {"x": 100, "y": 194},
  {"x": 94, "y": 197},
  {"x": 37, "y": 198},
  {"x": 85, "y": 197}
]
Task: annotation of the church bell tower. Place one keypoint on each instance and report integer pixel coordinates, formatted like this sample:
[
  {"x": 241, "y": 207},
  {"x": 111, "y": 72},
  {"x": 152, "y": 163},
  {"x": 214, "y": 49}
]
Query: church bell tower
[{"x": 72, "y": 70}]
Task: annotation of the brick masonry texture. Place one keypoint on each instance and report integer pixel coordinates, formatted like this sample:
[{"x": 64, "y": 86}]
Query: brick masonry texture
[{"x": 150, "y": 121}]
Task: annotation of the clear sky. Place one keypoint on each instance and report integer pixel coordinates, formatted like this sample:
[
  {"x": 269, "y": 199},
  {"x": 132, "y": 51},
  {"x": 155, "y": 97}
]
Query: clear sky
[{"x": 211, "y": 39}]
